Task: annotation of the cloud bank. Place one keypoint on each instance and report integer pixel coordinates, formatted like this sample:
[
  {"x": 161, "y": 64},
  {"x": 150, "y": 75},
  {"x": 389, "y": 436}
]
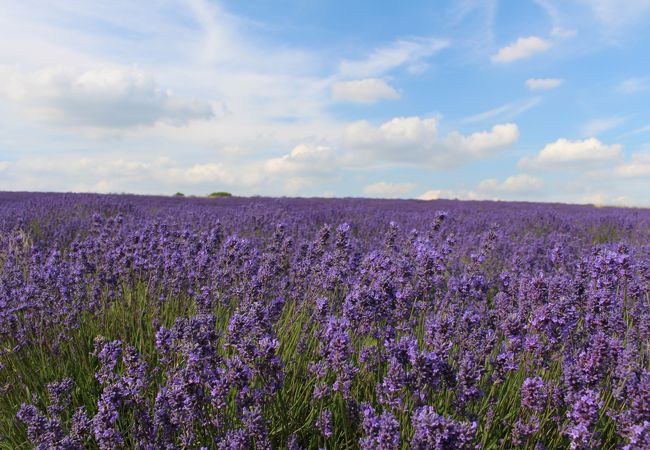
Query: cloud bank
[
  {"x": 414, "y": 140},
  {"x": 109, "y": 97},
  {"x": 522, "y": 48},
  {"x": 369, "y": 90}
]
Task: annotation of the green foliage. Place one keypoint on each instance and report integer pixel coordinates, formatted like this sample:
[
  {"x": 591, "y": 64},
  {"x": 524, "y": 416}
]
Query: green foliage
[
  {"x": 220, "y": 194},
  {"x": 179, "y": 194}
]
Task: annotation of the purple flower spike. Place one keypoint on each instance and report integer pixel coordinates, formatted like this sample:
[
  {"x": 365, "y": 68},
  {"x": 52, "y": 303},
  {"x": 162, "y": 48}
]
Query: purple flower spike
[{"x": 435, "y": 432}]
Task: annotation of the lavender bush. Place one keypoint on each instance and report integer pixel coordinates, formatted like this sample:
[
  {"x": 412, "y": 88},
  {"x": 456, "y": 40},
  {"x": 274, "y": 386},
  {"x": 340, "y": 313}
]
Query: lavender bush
[{"x": 231, "y": 323}]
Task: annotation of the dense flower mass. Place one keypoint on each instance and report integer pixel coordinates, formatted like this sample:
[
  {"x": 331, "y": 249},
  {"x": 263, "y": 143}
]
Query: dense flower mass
[{"x": 232, "y": 323}]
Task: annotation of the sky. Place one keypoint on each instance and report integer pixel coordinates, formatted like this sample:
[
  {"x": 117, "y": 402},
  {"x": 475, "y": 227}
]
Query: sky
[{"x": 536, "y": 100}]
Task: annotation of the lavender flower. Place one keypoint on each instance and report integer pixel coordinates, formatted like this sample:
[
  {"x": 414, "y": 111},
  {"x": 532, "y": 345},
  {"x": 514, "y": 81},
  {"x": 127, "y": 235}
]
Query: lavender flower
[
  {"x": 583, "y": 416},
  {"x": 436, "y": 432},
  {"x": 324, "y": 423},
  {"x": 235, "y": 440},
  {"x": 381, "y": 432},
  {"x": 109, "y": 354},
  {"x": 638, "y": 436},
  {"x": 534, "y": 394}
]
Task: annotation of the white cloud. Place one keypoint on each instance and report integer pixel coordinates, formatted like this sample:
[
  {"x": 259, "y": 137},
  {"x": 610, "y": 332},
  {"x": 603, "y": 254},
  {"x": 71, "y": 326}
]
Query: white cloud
[
  {"x": 273, "y": 94},
  {"x": 303, "y": 166},
  {"x": 514, "y": 187},
  {"x": 504, "y": 112},
  {"x": 304, "y": 160},
  {"x": 637, "y": 167},
  {"x": 199, "y": 173},
  {"x": 451, "y": 194},
  {"x": 369, "y": 90},
  {"x": 634, "y": 85},
  {"x": 563, "y": 33},
  {"x": 598, "y": 126},
  {"x": 115, "y": 97},
  {"x": 413, "y": 140},
  {"x": 520, "y": 49},
  {"x": 435, "y": 194},
  {"x": 515, "y": 184},
  {"x": 484, "y": 143},
  {"x": 579, "y": 153},
  {"x": 388, "y": 190},
  {"x": 404, "y": 52},
  {"x": 614, "y": 15},
  {"x": 643, "y": 129},
  {"x": 602, "y": 199},
  {"x": 4, "y": 165},
  {"x": 417, "y": 68},
  {"x": 105, "y": 174},
  {"x": 536, "y": 84},
  {"x": 398, "y": 134}
]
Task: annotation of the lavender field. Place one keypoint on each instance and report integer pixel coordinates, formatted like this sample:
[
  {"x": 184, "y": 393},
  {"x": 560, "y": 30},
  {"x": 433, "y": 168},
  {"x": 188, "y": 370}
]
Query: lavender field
[{"x": 232, "y": 323}]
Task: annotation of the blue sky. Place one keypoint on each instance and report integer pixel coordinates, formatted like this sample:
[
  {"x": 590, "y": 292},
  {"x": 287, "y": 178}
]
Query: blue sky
[{"x": 540, "y": 100}]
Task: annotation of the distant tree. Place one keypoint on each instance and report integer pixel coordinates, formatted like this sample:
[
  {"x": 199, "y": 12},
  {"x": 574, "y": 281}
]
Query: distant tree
[
  {"x": 220, "y": 194},
  {"x": 179, "y": 194}
]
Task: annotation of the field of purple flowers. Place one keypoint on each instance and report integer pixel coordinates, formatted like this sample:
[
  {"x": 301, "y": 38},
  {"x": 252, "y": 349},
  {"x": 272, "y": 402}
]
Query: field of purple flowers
[{"x": 230, "y": 323}]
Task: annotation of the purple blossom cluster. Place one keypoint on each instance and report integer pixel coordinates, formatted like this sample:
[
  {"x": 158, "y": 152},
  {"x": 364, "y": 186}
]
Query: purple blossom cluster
[{"x": 310, "y": 323}]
